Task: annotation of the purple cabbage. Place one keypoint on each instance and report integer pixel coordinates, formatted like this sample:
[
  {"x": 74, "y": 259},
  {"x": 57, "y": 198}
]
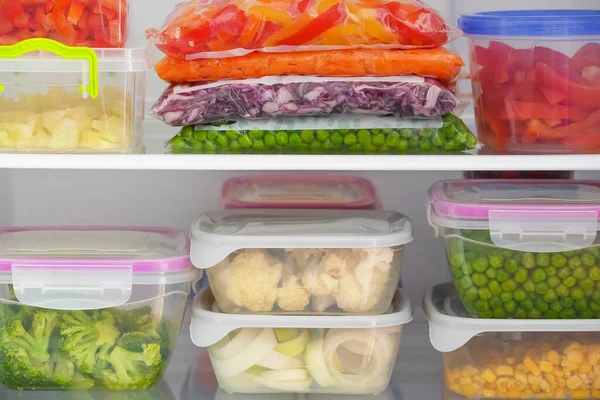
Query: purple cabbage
[{"x": 182, "y": 105}]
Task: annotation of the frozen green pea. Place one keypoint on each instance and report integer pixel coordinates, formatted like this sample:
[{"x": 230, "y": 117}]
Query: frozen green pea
[
  {"x": 482, "y": 306},
  {"x": 588, "y": 259},
  {"x": 580, "y": 304},
  {"x": 541, "y": 288},
  {"x": 468, "y": 268},
  {"x": 413, "y": 143},
  {"x": 595, "y": 307},
  {"x": 527, "y": 304},
  {"x": 327, "y": 145},
  {"x": 491, "y": 273},
  {"x": 187, "y": 132},
  {"x": 369, "y": 148},
  {"x": 502, "y": 275},
  {"x": 540, "y": 305},
  {"x": 378, "y": 139},
  {"x": 337, "y": 139},
  {"x": 562, "y": 291},
  {"x": 426, "y": 132},
  {"x": 521, "y": 275},
  {"x": 457, "y": 258},
  {"x": 528, "y": 260},
  {"x": 496, "y": 261},
  {"x": 209, "y": 145},
  {"x": 595, "y": 251},
  {"x": 212, "y": 135},
  {"x": 245, "y": 142},
  {"x": 511, "y": 266},
  {"x": 495, "y": 288},
  {"x": 510, "y": 307},
  {"x": 438, "y": 139},
  {"x": 234, "y": 145},
  {"x": 520, "y": 313},
  {"x": 567, "y": 302},
  {"x": 569, "y": 282},
  {"x": 307, "y": 136},
  {"x": 579, "y": 273},
  {"x": 506, "y": 296},
  {"x": 402, "y": 146},
  {"x": 364, "y": 136},
  {"x": 509, "y": 285},
  {"x": 594, "y": 273},
  {"x": 556, "y": 306},
  {"x": 499, "y": 314},
  {"x": 563, "y": 273},
  {"x": 179, "y": 144},
  {"x": 406, "y": 133},
  {"x": 586, "y": 314},
  {"x": 574, "y": 262},
  {"x": 295, "y": 140},
  {"x": 550, "y": 296},
  {"x": 256, "y": 134},
  {"x": 200, "y": 136},
  {"x": 282, "y": 138},
  {"x": 481, "y": 264},
  {"x": 465, "y": 282},
  {"x": 496, "y": 303},
  {"x": 485, "y": 294},
  {"x": 576, "y": 293},
  {"x": 587, "y": 284},
  {"x": 259, "y": 144},
  {"x": 350, "y": 139},
  {"x": 553, "y": 282},
  {"x": 542, "y": 259},
  {"x": 558, "y": 260},
  {"x": 472, "y": 294},
  {"x": 322, "y": 135},
  {"x": 529, "y": 286},
  {"x": 270, "y": 140},
  {"x": 426, "y": 146},
  {"x": 596, "y": 297},
  {"x": 479, "y": 280},
  {"x": 538, "y": 275},
  {"x": 519, "y": 295},
  {"x": 568, "y": 313},
  {"x": 550, "y": 314},
  {"x": 222, "y": 142},
  {"x": 550, "y": 271},
  {"x": 392, "y": 139},
  {"x": 534, "y": 314}
]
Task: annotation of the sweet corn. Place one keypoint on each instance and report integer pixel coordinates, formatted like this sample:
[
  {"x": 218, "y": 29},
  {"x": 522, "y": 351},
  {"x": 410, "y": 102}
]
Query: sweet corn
[
  {"x": 536, "y": 389},
  {"x": 593, "y": 358},
  {"x": 534, "y": 380},
  {"x": 469, "y": 389},
  {"x": 584, "y": 368},
  {"x": 553, "y": 357},
  {"x": 596, "y": 383},
  {"x": 551, "y": 381},
  {"x": 574, "y": 382},
  {"x": 488, "y": 376},
  {"x": 546, "y": 366},
  {"x": 575, "y": 355},
  {"x": 562, "y": 382},
  {"x": 465, "y": 380},
  {"x": 531, "y": 366},
  {"x": 569, "y": 365},
  {"x": 545, "y": 386},
  {"x": 521, "y": 377},
  {"x": 489, "y": 393},
  {"x": 580, "y": 394},
  {"x": 596, "y": 393},
  {"x": 504, "y": 370},
  {"x": 558, "y": 372}
]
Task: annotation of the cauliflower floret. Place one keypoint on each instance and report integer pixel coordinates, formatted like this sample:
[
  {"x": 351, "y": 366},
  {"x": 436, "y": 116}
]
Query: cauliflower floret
[
  {"x": 317, "y": 282},
  {"x": 291, "y": 296},
  {"x": 301, "y": 258},
  {"x": 352, "y": 295},
  {"x": 252, "y": 281}
]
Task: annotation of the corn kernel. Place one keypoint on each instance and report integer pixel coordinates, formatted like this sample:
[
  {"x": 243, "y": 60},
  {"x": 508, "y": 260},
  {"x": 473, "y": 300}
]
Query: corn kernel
[
  {"x": 521, "y": 377},
  {"x": 513, "y": 394},
  {"x": 573, "y": 346},
  {"x": 536, "y": 389},
  {"x": 596, "y": 393},
  {"x": 562, "y": 382},
  {"x": 546, "y": 366},
  {"x": 569, "y": 365},
  {"x": 584, "y": 368},
  {"x": 580, "y": 394},
  {"x": 574, "y": 382},
  {"x": 521, "y": 367},
  {"x": 489, "y": 393},
  {"x": 584, "y": 378},
  {"x": 534, "y": 380},
  {"x": 527, "y": 394},
  {"x": 560, "y": 394},
  {"x": 502, "y": 384},
  {"x": 469, "y": 389},
  {"x": 510, "y": 360},
  {"x": 469, "y": 370},
  {"x": 479, "y": 381},
  {"x": 553, "y": 357},
  {"x": 465, "y": 380},
  {"x": 504, "y": 370},
  {"x": 551, "y": 381},
  {"x": 593, "y": 358},
  {"x": 545, "y": 386},
  {"x": 531, "y": 366},
  {"x": 575, "y": 356},
  {"x": 488, "y": 375},
  {"x": 596, "y": 383},
  {"x": 558, "y": 372}
]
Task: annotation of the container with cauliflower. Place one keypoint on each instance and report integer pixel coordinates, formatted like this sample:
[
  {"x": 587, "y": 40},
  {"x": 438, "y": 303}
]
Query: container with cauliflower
[
  {"x": 301, "y": 261},
  {"x": 513, "y": 359},
  {"x": 300, "y": 353},
  {"x": 80, "y": 101}
]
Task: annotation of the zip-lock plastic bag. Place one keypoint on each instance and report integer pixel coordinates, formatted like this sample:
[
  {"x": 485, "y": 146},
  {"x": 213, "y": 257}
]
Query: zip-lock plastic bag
[
  {"x": 434, "y": 63},
  {"x": 318, "y": 135},
  {"x": 400, "y": 96},
  {"x": 224, "y": 28}
]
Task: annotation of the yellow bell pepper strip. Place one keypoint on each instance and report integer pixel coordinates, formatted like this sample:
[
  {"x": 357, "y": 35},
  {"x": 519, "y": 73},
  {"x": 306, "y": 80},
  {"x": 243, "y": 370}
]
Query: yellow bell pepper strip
[
  {"x": 271, "y": 14},
  {"x": 340, "y": 35},
  {"x": 290, "y": 30},
  {"x": 376, "y": 30},
  {"x": 324, "y": 5},
  {"x": 317, "y": 26}
]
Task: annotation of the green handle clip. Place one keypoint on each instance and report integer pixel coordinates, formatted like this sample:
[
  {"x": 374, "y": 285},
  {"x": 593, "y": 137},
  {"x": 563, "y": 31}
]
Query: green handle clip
[{"x": 68, "y": 52}]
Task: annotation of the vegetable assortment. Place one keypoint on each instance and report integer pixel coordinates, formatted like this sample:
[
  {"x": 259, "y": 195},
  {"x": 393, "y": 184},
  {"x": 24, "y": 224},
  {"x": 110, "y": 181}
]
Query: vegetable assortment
[
  {"x": 499, "y": 283},
  {"x": 220, "y": 29},
  {"x": 91, "y": 23},
  {"x": 383, "y": 135},
  {"x": 190, "y": 104},
  {"x": 256, "y": 360},
  {"x": 538, "y": 98},
  {"x": 539, "y": 365}
]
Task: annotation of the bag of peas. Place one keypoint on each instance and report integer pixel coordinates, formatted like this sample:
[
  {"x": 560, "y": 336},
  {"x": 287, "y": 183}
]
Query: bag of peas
[{"x": 315, "y": 135}]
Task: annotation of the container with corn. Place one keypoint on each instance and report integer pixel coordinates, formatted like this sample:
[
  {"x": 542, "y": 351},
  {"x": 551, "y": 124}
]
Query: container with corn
[{"x": 513, "y": 359}]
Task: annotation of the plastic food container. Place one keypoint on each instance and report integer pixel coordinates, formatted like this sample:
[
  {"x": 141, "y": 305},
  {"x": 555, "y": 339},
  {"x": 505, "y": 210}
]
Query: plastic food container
[
  {"x": 301, "y": 354},
  {"x": 535, "y": 78},
  {"x": 90, "y": 308},
  {"x": 511, "y": 359},
  {"x": 91, "y": 23},
  {"x": 74, "y": 100},
  {"x": 339, "y": 135},
  {"x": 521, "y": 249},
  {"x": 301, "y": 261},
  {"x": 301, "y": 192}
]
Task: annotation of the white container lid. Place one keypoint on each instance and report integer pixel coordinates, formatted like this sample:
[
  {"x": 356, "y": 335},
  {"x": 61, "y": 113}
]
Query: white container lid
[
  {"x": 209, "y": 325},
  {"x": 216, "y": 234},
  {"x": 90, "y": 268},
  {"x": 450, "y": 327}
]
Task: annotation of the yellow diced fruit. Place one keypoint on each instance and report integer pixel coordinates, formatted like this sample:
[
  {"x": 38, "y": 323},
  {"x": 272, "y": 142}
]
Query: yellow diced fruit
[
  {"x": 574, "y": 382},
  {"x": 553, "y": 357},
  {"x": 488, "y": 375},
  {"x": 40, "y": 141},
  {"x": 92, "y": 140},
  {"x": 546, "y": 366},
  {"x": 504, "y": 370},
  {"x": 51, "y": 118},
  {"x": 532, "y": 366},
  {"x": 65, "y": 135},
  {"x": 8, "y": 143},
  {"x": 575, "y": 355}
]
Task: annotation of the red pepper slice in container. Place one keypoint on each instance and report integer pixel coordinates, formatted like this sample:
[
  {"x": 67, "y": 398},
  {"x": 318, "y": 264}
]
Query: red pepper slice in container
[{"x": 578, "y": 94}]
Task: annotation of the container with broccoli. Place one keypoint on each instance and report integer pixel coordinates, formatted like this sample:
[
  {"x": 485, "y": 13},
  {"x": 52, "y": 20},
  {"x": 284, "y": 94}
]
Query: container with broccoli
[
  {"x": 109, "y": 312},
  {"x": 301, "y": 261},
  {"x": 315, "y": 135},
  {"x": 521, "y": 249}
]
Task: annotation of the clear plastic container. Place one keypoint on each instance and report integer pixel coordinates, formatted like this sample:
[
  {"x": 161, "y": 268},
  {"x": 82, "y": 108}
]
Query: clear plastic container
[
  {"x": 301, "y": 354},
  {"x": 57, "y": 103},
  {"x": 301, "y": 192},
  {"x": 301, "y": 261},
  {"x": 521, "y": 249},
  {"x": 509, "y": 359},
  {"x": 536, "y": 80},
  {"x": 90, "y": 308}
]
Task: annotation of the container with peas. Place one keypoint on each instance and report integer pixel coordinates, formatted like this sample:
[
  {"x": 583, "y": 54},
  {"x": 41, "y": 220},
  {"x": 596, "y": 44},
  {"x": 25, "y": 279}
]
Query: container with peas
[
  {"x": 521, "y": 249},
  {"x": 320, "y": 135}
]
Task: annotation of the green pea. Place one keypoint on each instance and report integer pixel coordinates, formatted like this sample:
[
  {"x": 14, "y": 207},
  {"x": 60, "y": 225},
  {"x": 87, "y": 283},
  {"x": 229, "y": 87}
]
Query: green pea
[
  {"x": 586, "y": 314},
  {"x": 282, "y": 138},
  {"x": 245, "y": 142},
  {"x": 550, "y": 296},
  {"x": 527, "y": 304},
  {"x": 574, "y": 262},
  {"x": 259, "y": 144},
  {"x": 596, "y": 297},
  {"x": 479, "y": 280},
  {"x": 222, "y": 142},
  {"x": 406, "y": 133},
  {"x": 563, "y": 273},
  {"x": 498, "y": 314},
  {"x": 542, "y": 259},
  {"x": 511, "y": 266},
  {"x": 529, "y": 286},
  {"x": 567, "y": 302},
  {"x": 270, "y": 140},
  {"x": 210, "y": 146},
  {"x": 594, "y": 273},
  {"x": 369, "y": 148},
  {"x": 550, "y": 271},
  {"x": 343, "y": 131},
  {"x": 378, "y": 139},
  {"x": 506, "y": 296},
  {"x": 577, "y": 293},
  {"x": 595, "y": 251},
  {"x": 235, "y": 146},
  {"x": 556, "y": 306},
  {"x": 580, "y": 304},
  {"x": 540, "y": 305},
  {"x": 528, "y": 260},
  {"x": 520, "y": 313},
  {"x": 553, "y": 282},
  {"x": 485, "y": 294},
  {"x": 568, "y": 313},
  {"x": 426, "y": 146},
  {"x": 438, "y": 139},
  {"x": 350, "y": 139},
  {"x": 521, "y": 275},
  {"x": 426, "y": 132},
  {"x": 187, "y": 132},
  {"x": 307, "y": 136},
  {"x": 519, "y": 295},
  {"x": 538, "y": 275},
  {"x": 472, "y": 294},
  {"x": 402, "y": 146},
  {"x": 256, "y": 134},
  {"x": 588, "y": 259},
  {"x": 587, "y": 284},
  {"x": 509, "y": 285},
  {"x": 510, "y": 307},
  {"x": 392, "y": 139},
  {"x": 491, "y": 273},
  {"x": 327, "y": 145},
  {"x": 534, "y": 314},
  {"x": 569, "y": 282},
  {"x": 413, "y": 142},
  {"x": 212, "y": 135},
  {"x": 295, "y": 140},
  {"x": 502, "y": 275},
  {"x": 552, "y": 314},
  {"x": 562, "y": 290},
  {"x": 482, "y": 306},
  {"x": 481, "y": 264},
  {"x": 465, "y": 283},
  {"x": 569, "y": 254},
  {"x": 595, "y": 307},
  {"x": 457, "y": 258},
  {"x": 496, "y": 303},
  {"x": 579, "y": 273},
  {"x": 497, "y": 261},
  {"x": 495, "y": 288},
  {"x": 337, "y": 139},
  {"x": 541, "y": 288},
  {"x": 322, "y": 135},
  {"x": 558, "y": 260}
]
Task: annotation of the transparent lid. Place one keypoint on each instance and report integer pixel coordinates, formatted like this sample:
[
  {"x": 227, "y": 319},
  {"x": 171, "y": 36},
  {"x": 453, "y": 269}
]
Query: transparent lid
[
  {"x": 209, "y": 325},
  {"x": 450, "y": 327},
  {"x": 526, "y": 215},
  {"x": 216, "y": 234},
  {"x": 302, "y": 192}
]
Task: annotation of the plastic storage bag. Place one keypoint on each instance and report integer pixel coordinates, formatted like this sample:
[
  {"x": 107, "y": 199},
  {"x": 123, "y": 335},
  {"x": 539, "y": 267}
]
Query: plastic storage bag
[
  {"x": 341, "y": 135},
  {"x": 91, "y": 23},
  {"x": 435, "y": 63},
  {"x": 220, "y": 29},
  {"x": 402, "y": 96}
]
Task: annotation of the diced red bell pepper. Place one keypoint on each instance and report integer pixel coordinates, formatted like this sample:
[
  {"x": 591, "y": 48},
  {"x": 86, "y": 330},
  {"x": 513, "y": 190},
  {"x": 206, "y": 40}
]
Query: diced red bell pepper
[
  {"x": 420, "y": 25},
  {"x": 579, "y": 94},
  {"x": 583, "y": 141},
  {"x": 11, "y": 9},
  {"x": 521, "y": 110},
  {"x": 75, "y": 12},
  {"x": 315, "y": 28},
  {"x": 587, "y": 56}
]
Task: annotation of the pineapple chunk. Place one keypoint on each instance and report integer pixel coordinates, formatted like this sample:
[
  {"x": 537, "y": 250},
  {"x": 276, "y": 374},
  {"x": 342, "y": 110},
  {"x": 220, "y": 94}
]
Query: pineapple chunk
[
  {"x": 111, "y": 129},
  {"x": 3, "y": 134},
  {"x": 51, "y": 118},
  {"x": 92, "y": 140},
  {"x": 18, "y": 131},
  {"x": 40, "y": 141},
  {"x": 65, "y": 135}
]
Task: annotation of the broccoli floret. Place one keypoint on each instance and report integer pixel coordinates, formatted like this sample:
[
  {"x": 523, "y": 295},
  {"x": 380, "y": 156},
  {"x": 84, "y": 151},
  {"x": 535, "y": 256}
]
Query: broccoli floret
[
  {"x": 36, "y": 340},
  {"x": 135, "y": 341},
  {"x": 88, "y": 339},
  {"x": 61, "y": 369},
  {"x": 136, "y": 320},
  {"x": 134, "y": 370},
  {"x": 19, "y": 373}
]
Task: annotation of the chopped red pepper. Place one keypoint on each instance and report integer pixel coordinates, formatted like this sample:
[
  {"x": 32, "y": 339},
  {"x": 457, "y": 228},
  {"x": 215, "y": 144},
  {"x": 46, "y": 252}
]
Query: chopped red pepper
[
  {"x": 316, "y": 27},
  {"x": 577, "y": 93},
  {"x": 528, "y": 111}
]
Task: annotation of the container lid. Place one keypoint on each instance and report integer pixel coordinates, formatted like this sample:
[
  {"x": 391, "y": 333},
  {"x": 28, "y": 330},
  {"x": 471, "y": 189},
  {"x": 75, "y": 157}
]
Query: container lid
[
  {"x": 532, "y": 23},
  {"x": 450, "y": 327},
  {"x": 209, "y": 325},
  {"x": 301, "y": 192},
  {"x": 90, "y": 268},
  {"x": 216, "y": 234},
  {"x": 526, "y": 215}
]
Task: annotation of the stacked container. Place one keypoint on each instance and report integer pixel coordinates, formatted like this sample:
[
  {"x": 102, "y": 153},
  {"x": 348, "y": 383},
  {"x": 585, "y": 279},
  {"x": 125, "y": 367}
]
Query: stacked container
[
  {"x": 523, "y": 250},
  {"x": 262, "y": 78},
  {"x": 306, "y": 300},
  {"x": 68, "y": 84},
  {"x": 90, "y": 308}
]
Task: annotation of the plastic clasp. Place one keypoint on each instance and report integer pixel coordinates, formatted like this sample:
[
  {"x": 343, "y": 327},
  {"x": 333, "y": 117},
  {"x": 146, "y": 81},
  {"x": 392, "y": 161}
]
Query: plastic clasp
[
  {"x": 72, "y": 287},
  {"x": 90, "y": 83},
  {"x": 543, "y": 231}
]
